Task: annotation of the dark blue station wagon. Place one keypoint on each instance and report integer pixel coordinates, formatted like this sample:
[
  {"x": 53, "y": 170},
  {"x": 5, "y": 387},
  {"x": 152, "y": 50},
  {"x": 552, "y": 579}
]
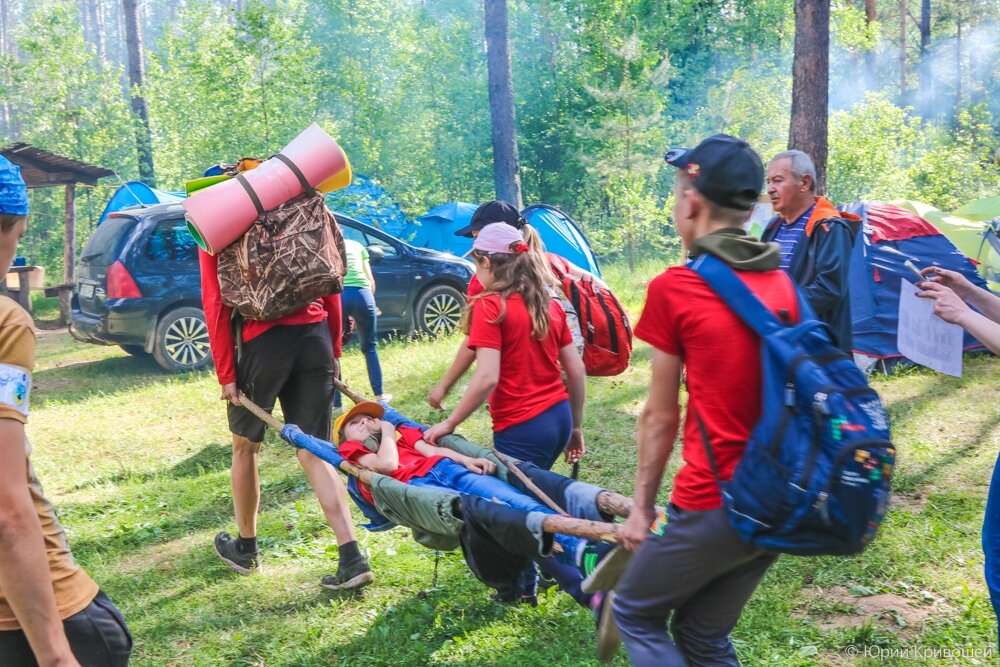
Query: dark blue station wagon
[{"x": 138, "y": 286}]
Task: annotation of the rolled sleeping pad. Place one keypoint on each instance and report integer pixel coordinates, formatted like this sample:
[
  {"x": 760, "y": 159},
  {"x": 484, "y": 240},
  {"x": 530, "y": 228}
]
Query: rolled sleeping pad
[{"x": 219, "y": 214}]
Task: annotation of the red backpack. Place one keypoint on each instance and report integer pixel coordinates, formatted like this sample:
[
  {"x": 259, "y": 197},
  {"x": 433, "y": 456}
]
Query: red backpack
[{"x": 607, "y": 334}]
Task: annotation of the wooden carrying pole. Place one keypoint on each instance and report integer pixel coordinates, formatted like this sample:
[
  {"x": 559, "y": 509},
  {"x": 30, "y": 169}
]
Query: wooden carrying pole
[
  {"x": 541, "y": 495},
  {"x": 347, "y": 391},
  {"x": 566, "y": 525}
]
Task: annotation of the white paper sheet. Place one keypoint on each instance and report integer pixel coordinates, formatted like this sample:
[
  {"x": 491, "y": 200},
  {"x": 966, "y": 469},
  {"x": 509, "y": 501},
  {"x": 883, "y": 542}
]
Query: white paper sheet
[{"x": 925, "y": 338}]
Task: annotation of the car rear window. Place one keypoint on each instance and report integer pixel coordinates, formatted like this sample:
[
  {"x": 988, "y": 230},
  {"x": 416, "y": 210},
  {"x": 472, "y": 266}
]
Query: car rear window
[
  {"x": 170, "y": 241},
  {"x": 105, "y": 243}
]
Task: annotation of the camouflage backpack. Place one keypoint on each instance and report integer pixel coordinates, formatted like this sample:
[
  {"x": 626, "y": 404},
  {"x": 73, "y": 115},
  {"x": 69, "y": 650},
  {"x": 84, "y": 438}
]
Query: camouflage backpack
[{"x": 290, "y": 256}]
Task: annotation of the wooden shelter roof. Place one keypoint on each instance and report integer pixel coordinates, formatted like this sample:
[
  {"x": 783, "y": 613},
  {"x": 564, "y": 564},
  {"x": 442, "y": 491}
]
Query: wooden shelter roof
[{"x": 41, "y": 168}]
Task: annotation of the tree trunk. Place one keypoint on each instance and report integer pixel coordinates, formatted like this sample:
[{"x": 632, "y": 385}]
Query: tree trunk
[
  {"x": 97, "y": 23},
  {"x": 93, "y": 30},
  {"x": 871, "y": 64},
  {"x": 5, "y": 50},
  {"x": 811, "y": 84},
  {"x": 902, "y": 52},
  {"x": 927, "y": 83},
  {"x": 958, "y": 67},
  {"x": 136, "y": 78},
  {"x": 925, "y": 26},
  {"x": 506, "y": 179},
  {"x": 69, "y": 252}
]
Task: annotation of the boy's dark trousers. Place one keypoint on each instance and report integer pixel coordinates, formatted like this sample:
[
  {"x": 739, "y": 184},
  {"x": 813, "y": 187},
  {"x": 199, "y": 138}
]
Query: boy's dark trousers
[
  {"x": 698, "y": 575},
  {"x": 98, "y": 636}
]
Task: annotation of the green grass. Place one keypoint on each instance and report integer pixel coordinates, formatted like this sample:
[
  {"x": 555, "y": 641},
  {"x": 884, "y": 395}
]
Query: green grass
[{"x": 137, "y": 462}]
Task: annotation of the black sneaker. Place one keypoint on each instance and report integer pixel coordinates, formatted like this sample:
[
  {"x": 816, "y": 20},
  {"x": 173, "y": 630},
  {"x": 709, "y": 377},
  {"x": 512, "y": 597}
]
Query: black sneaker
[
  {"x": 514, "y": 598},
  {"x": 351, "y": 577},
  {"x": 228, "y": 549}
]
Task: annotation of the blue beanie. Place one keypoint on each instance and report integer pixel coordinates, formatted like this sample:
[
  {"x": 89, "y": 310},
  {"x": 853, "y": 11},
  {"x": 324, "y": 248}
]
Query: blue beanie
[{"x": 13, "y": 194}]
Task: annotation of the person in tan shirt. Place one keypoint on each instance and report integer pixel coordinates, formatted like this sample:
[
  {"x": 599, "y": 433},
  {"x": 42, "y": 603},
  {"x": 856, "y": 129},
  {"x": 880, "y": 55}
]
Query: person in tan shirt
[{"x": 51, "y": 612}]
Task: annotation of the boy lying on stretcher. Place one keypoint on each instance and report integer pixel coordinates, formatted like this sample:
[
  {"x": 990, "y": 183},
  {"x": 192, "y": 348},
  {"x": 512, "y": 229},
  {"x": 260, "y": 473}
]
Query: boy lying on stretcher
[{"x": 364, "y": 438}]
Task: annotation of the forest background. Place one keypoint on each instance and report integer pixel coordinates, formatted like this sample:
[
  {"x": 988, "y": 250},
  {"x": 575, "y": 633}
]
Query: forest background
[{"x": 602, "y": 88}]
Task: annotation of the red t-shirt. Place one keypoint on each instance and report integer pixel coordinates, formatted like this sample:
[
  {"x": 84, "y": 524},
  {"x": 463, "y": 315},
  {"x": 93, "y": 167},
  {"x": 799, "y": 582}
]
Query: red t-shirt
[
  {"x": 530, "y": 376},
  {"x": 685, "y": 318},
  {"x": 220, "y": 333},
  {"x": 411, "y": 462}
]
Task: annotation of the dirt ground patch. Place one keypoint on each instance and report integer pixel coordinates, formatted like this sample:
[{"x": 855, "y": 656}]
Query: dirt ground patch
[
  {"x": 893, "y": 612},
  {"x": 913, "y": 502}
]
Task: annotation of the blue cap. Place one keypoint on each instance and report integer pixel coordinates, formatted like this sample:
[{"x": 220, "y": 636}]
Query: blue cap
[{"x": 13, "y": 194}]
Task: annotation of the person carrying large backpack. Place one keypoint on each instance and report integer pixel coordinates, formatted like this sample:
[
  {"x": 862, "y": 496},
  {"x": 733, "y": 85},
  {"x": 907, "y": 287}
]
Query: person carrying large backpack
[{"x": 697, "y": 571}]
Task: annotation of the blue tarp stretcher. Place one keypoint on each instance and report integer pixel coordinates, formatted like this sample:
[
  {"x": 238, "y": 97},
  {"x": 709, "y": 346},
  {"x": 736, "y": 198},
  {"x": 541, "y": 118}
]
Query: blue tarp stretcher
[{"x": 498, "y": 541}]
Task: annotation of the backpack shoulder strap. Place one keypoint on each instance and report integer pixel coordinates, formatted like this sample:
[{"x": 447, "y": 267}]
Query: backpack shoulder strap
[
  {"x": 559, "y": 265},
  {"x": 734, "y": 292}
]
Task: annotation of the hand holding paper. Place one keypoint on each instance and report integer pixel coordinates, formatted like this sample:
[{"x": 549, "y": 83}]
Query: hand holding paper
[{"x": 924, "y": 337}]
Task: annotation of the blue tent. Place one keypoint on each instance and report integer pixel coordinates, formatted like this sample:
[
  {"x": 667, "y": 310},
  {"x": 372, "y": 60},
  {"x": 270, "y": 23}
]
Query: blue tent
[
  {"x": 365, "y": 200},
  {"x": 135, "y": 193},
  {"x": 436, "y": 228},
  {"x": 561, "y": 235},
  {"x": 890, "y": 235}
]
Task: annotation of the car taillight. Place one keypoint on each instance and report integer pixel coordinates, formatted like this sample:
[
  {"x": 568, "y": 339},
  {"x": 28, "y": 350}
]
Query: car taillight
[{"x": 121, "y": 285}]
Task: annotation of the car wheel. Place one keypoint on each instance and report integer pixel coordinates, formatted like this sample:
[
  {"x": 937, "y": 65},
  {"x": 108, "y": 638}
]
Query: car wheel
[
  {"x": 182, "y": 340},
  {"x": 135, "y": 350},
  {"x": 439, "y": 310}
]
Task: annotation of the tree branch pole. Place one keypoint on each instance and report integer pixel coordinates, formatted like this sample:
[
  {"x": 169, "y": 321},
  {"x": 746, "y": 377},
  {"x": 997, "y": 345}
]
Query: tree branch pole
[
  {"x": 566, "y": 525},
  {"x": 347, "y": 391},
  {"x": 528, "y": 483}
]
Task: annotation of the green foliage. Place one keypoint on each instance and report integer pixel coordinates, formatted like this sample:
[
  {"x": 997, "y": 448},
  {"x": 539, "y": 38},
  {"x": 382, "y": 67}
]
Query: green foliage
[
  {"x": 225, "y": 86},
  {"x": 870, "y": 148},
  {"x": 622, "y": 148},
  {"x": 958, "y": 166},
  {"x": 66, "y": 106},
  {"x": 754, "y": 104},
  {"x": 881, "y": 151},
  {"x": 851, "y": 29}
]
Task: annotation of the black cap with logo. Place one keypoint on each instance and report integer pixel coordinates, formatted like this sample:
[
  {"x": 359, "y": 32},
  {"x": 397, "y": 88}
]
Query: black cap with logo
[
  {"x": 492, "y": 211},
  {"x": 722, "y": 168}
]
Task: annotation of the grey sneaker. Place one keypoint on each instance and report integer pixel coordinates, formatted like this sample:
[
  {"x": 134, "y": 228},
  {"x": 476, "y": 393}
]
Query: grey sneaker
[
  {"x": 608, "y": 571},
  {"x": 352, "y": 577},
  {"x": 228, "y": 549},
  {"x": 608, "y": 637}
]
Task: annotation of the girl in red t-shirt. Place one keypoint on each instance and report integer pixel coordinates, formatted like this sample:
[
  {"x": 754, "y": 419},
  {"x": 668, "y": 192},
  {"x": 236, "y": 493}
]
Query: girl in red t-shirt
[
  {"x": 557, "y": 266},
  {"x": 522, "y": 345}
]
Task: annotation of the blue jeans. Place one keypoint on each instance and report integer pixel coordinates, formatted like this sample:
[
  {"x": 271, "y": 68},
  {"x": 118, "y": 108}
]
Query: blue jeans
[
  {"x": 447, "y": 474},
  {"x": 991, "y": 541},
  {"x": 359, "y": 303},
  {"x": 539, "y": 440}
]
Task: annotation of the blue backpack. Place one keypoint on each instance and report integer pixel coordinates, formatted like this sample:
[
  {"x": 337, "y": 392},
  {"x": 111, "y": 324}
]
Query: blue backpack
[{"x": 814, "y": 478}]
